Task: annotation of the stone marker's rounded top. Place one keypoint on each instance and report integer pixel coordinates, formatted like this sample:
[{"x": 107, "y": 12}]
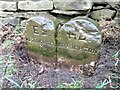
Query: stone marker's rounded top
[
  {"x": 84, "y": 27},
  {"x": 48, "y": 22}
]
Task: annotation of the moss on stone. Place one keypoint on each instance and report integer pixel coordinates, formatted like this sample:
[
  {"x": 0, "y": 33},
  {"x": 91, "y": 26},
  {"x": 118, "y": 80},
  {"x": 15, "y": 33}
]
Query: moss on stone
[
  {"x": 66, "y": 54},
  {"x": 47, "y": 51}
]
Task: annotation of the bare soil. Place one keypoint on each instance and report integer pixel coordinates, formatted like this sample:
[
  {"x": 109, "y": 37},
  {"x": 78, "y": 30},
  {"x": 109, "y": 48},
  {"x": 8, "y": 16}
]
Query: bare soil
[{"x": 32, "y": 68}]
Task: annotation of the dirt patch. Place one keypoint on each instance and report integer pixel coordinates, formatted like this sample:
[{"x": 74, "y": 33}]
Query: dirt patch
[
  {"x": 105, "y": 68},
  {"x": 43, "y": 74},
  {"x": 41, "y": 71}
]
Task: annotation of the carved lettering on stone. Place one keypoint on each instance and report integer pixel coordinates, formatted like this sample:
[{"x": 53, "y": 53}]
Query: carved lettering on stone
[
  {"x": 80, "y": 38},
  {"x": 40, "y": 31}
]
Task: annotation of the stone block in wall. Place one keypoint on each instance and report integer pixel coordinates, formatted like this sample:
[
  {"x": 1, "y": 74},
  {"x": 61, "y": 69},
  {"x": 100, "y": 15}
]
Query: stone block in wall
[
  {"x": 6, "y": 14},
  {"x": 79, "y": 39},
  {"x": 9, "y": 6},
  {"x": 63, "y": 18},
  {"x": 69, "y": 12},
  {"x": 35, "y": 5},
  {"x": 102, "y": 14},
  {"x": 72, "y": 4},
  {"x": 12, "y": 21},
  {"x": 28, "y": 14},
  {"x": 20, "y": 14},
  {"x": 109, "y": 1}
]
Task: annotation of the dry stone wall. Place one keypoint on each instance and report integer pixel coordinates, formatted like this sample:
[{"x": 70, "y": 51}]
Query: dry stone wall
[{"x": 59, "y": 8}]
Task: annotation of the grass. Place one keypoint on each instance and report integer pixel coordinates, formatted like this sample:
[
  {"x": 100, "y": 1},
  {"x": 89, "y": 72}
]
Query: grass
[
  {"x": 8, "y": 62},
  {"x": 8, "y": 66},
  {"x": 113, "y": 77},
  {"x": 75, "y": 85}
]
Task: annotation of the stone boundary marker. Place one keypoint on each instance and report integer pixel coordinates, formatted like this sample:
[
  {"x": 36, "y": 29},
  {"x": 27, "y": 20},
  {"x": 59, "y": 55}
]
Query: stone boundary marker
[
  {"x": 63, "y": 10},
  {"x": 40, "y": 35},
  {"x": 77, "y": 39}
]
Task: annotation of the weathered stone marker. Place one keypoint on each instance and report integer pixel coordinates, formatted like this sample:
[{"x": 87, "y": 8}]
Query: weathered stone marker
[
  {"x": 79, "y": 39},
  {"x": 40, "y": 34}
]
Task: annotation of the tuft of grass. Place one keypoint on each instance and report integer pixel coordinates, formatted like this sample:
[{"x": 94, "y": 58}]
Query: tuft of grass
[
  {"x": 7, "y": 61},
  {"x": 117, "y": 55},
  {"x": 113, "y": 77},
  {"x": 75, "y": 85},
  {"x": 103, "y": 84}
]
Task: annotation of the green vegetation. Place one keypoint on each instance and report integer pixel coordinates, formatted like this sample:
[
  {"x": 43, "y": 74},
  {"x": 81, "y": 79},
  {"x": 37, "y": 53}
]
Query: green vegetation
[
  {"x": 7, "y": 65},
  {"x": 103, "y": 84},
  {"x": 7, "y": 61},
  {"x": 66, "y": 54},
  {"x": 40, "y": 50},
  {"x": 113, "y": 77},
  {"x": 75, "y": 85}
]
